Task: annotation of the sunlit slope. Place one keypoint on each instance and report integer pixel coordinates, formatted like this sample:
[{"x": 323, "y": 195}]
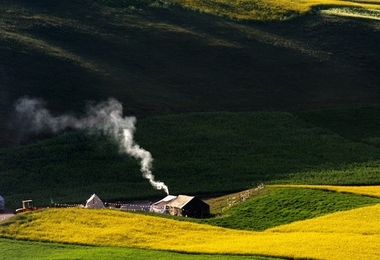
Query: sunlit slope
[
  {"x": 362, "y": 221},
  {"x": 360, "y": 190},
  {"x": 113, "y": 228},
  {"x": 267, "y": 10},
  {"x": 247, "y": 9}
]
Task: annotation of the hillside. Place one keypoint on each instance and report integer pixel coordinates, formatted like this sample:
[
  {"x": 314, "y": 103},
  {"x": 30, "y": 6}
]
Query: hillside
[
  {"x": 169, "y": 60},
  {"x": 200, "y": 153},
  {"x": 283, "y": 205},
  {"x": 165, "y": 60}
]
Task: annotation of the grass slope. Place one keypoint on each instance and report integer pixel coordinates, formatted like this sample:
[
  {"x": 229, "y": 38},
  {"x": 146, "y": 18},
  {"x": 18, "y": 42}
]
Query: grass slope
[
  {"x": 363, "y": 122},
  {"x": 17, "y": 250},
  {"x": 286, "y": 205},
  {"x": 194, "y": 154}
]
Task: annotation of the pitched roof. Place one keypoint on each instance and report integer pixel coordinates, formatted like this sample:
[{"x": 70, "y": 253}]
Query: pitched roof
[
  {"x": 180, "y": 201},
  {"x": 94, "y": 202},
  {"x": 164, "y": 201}
]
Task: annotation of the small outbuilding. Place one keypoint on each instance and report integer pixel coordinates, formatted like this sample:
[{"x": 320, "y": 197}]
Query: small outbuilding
[
  {"x": 188, "y": 206},
  {"x": 160, "y": 206},
  {"x": 2, "y": 204},
  {"x": 94, "y": 202}
]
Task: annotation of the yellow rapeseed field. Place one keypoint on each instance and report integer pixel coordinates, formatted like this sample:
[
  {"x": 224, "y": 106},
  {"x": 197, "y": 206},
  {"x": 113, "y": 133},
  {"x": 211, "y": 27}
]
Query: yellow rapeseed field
[
  {"x": 363, "y": 221},
  {"x": 329, "y": 237},
  {"x": 360, "y": 190}
]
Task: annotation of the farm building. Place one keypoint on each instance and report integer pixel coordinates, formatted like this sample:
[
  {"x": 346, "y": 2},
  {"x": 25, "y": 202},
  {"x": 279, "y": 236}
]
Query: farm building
[
  {"x": 160, "y": 206},
  {"x": 94, "y": 202},
  {"x": 188, "y": 206}
]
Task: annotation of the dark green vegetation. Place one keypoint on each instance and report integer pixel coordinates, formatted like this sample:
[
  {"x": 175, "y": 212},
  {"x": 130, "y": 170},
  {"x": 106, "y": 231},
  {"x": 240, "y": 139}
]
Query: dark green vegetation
[
  {"x": 286, "y": 205},
  {"x": 194, "y": 154},
  {"x": 355, "y": 123},
  {"x": 170, "y": 60},
  {"x": 12, "y": 249}
]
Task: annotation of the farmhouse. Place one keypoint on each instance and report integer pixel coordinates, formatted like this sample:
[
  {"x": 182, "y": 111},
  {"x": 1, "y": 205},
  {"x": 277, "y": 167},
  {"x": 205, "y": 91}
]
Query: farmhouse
[
  {"x": 188, "y": 206},
  {"x": 181, "y": 205},
  {"x": 160, "y": 206}
]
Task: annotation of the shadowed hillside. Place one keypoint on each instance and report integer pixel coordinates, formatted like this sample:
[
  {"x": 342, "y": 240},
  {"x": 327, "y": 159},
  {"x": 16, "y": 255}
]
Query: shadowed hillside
[
  {"x": 199, "y": 153},
  {"x": 170, "y": 60}
]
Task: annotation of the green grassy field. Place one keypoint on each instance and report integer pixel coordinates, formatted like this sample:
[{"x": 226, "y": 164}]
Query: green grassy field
[
  {"x": 281, "y": 206},
  {"x": 17, "y": 249},
  {"x": 362, "y": 121}
]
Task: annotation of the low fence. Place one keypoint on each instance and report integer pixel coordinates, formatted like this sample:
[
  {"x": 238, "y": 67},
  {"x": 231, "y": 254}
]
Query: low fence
[
  {"x": 243, "y": 196},
  {"x": 140, "y": 206}
]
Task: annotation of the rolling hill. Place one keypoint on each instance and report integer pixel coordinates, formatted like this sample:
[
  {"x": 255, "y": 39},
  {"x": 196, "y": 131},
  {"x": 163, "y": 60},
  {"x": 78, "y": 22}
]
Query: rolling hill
[
  {"x": 165, "y": 60},
  {"x": 322, "y": 237}
]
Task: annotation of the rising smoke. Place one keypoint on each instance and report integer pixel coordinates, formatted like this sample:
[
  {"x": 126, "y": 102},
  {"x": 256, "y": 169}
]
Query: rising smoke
[{"x": 106, "y": 117}]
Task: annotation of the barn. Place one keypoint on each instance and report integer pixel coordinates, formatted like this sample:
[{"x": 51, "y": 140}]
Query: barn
[{"x": 188, "y": 206}]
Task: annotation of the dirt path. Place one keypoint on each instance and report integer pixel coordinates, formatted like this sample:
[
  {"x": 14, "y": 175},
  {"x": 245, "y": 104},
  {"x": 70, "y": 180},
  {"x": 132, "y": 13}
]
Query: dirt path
[{"x": 5, "y": 216}]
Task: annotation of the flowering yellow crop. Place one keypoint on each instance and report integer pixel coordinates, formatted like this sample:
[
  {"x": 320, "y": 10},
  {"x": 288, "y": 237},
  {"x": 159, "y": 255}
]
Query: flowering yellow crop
[
  {"x": 363, "y": 221},
  {"x": 326, "y": 238},
  {"x": 268, "y": 9},
  {"x": 360, "y": 190}
]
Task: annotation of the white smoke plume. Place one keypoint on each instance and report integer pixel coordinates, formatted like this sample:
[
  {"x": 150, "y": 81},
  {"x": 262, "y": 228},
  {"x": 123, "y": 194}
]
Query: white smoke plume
[{"x": 106, "y": 117}]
